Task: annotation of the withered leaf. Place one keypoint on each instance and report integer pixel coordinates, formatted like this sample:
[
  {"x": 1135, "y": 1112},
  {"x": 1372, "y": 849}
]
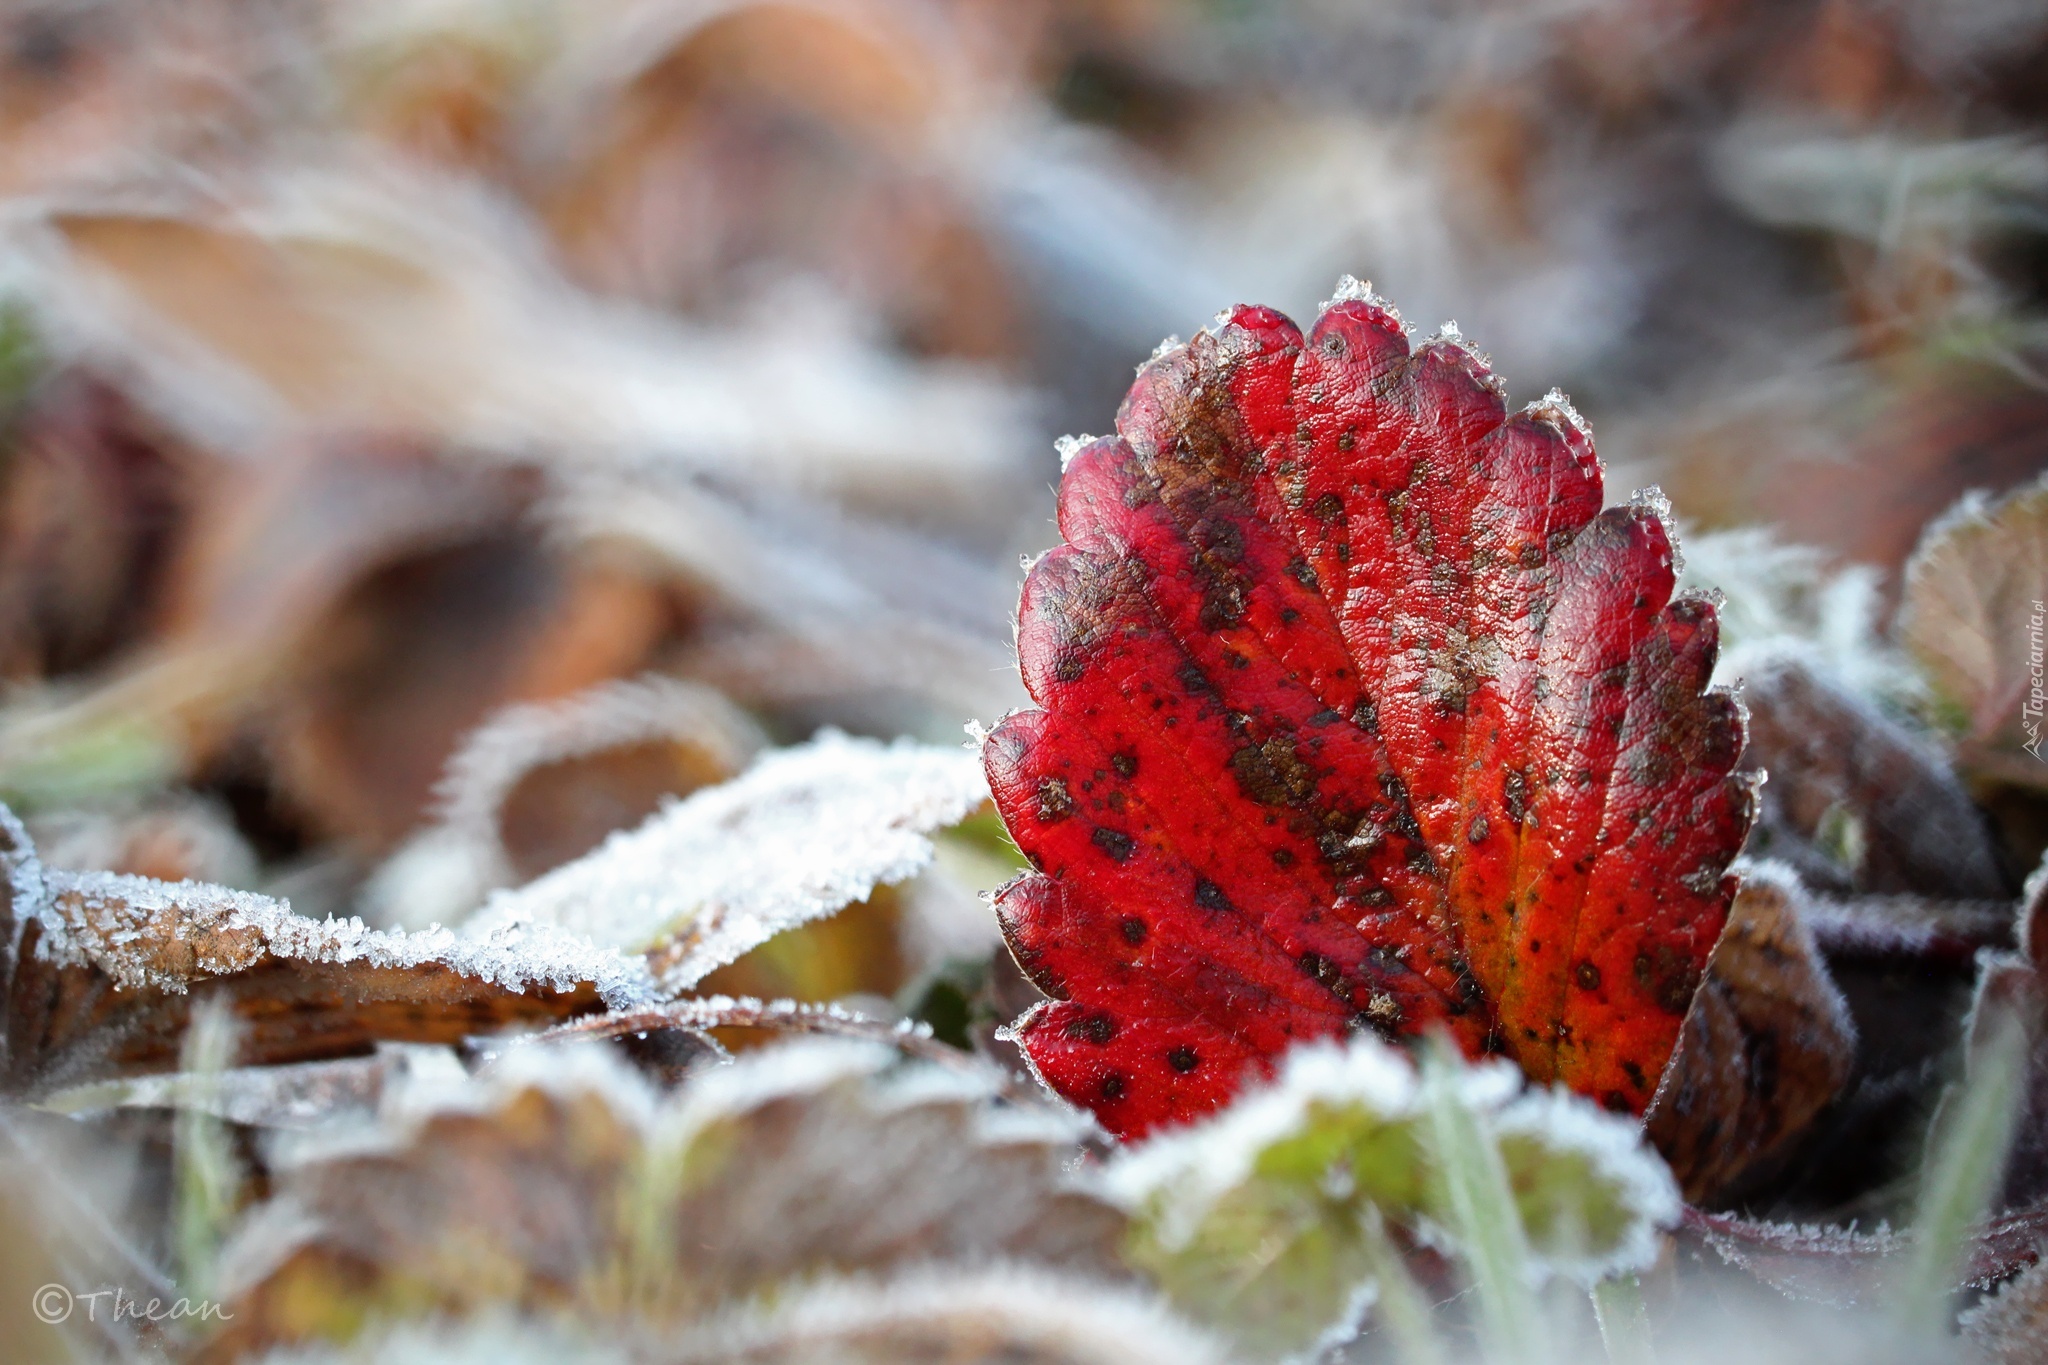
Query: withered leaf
[
  {"x": 2013, "y": 987},
  {"x": 1015, "y": 1314},
  {"x": 2011, "y": 1326},
  {"x": 801, "y": 834},
  {"x": 1856, "y": 801},
  {"x": 104, "y": 971},
  {"x": 1971, "y": 615},
  {"x": 542, "y": 783},
  {"x": 1767, "y": 1043},
  {"x": 557, "y": 1180}
]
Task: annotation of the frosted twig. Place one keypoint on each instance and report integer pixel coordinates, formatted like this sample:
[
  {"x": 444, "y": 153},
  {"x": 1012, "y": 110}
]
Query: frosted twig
[{"x": 913, "y": 1038}]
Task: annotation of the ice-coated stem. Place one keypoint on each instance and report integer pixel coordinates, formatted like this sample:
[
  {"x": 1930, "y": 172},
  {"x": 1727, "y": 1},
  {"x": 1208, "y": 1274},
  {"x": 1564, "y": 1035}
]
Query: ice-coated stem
[
  {"x": 208, "y": 1178},
  {"x": 1624, "y": 1322},
  {"x": 1961, "y": 1174},
  {"x": 1480, "y": 1207},
  {"x": 1401, "y": 1305}
]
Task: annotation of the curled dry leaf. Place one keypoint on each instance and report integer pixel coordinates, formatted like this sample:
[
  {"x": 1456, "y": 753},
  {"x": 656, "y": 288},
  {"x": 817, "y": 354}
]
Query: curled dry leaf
[
  {"x": 1767, "y": 1044},
  {"x": 1853, "y": 1267},
  {"x": 2011, "y": 1326},
  {"x": 558, "y": 1180},
  {"x": 2013, "y": 987},
  {"x": 801, "y": 834},
  {"x": 105, "y": 970},
  {"x": 1359, "y": 711},
  {"x": 1971, "y": 615},
  {"x": 1015, "y": 1314},
  {"x": 1855, "y": 800},
  {"x": 540, "y": 784},
  {"x": 1011, "y": 1312}
]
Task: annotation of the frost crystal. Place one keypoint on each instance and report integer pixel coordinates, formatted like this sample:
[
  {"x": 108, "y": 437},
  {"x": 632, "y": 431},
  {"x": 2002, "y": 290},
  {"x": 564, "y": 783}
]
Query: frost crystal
[
  {"x": 802, "y": 833},
  {"x": 1653, "y": 501},
  {"x": 1068, "y": 447},
  {"x": 147, "y": 934},
  {"x": 445, "y": 871}
]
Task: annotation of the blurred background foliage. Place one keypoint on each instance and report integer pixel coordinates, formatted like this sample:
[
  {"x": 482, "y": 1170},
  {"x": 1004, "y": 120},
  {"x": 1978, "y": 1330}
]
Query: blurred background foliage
[{"x": 367, "y": 369}]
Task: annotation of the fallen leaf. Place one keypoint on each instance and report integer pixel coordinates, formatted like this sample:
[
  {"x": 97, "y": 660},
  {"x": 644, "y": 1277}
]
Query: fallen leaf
[
  {"x": 2013, "y": 987},
  {"x": 1015, "y": 1314},
  {"x": 1972, "y": 616},
  {"x": 1767, "y": 1044},
  {"x": 1011, "y": 1312},
  {"x": 801, "y": 834},
  {"x": 1856, "y": 801},
  {"x": 540, "y": 784},
  {"x": 104, "y": 971},
  {"x": 558, "y": 1180},
  {"x": 2011, "y": 1326},
  {"x": 1358, "y": 712},
  {"x": 1853, "y": 1267}
]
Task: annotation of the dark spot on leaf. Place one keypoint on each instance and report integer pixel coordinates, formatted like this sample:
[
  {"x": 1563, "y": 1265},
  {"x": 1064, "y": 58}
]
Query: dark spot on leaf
[
  {"x": 1118, "y": 846},
  {"x": 1133, "y": 930},
  {"x": 1113, "y": 1086},
  {"x": 1095, "y": 1028},
  {"x": 1125, "y": 764},
  {"x": 1183, "y": 1060},
  {"x": 1328, "y": 507},
  {"x": 1054, "y": 801},
  {"x": 1210, "y": 896},
  {"x": 1587, "y": 975}
]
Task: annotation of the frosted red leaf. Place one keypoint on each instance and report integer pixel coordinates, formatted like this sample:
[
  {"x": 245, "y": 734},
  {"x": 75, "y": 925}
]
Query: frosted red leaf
[{"x": 1358, "y": 712}]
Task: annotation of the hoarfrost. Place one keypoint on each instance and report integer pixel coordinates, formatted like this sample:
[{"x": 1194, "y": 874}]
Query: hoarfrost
[
  {"x": 147, "y": 934},
  {"x": 1006, "y": 1311},
  {"x": 447, "y": 870},
  {"x": 802, "y": 833},
  {"x": 1183, "y": 1175},
  {"x": 1070, "y": 446},
  {"x": 1779, "y": 598}
]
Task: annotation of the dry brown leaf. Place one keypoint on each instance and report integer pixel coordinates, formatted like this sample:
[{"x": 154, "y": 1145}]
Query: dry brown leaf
[
  {"x": 1855, "y": 800},
  {"x": 104, "y": 972},
  {"x": 557, "y": 1180},
  {"x": 540, "y": 784},
  {"x": 1973, "y": 616},
  {"x": 2013, "y": 988},
  {"x": 2011, "y": 1326},
  {"x": 1014, "y": 1314},
  {"x": 1767, "y": 1044},
  {"x": 801, "y": 834}
]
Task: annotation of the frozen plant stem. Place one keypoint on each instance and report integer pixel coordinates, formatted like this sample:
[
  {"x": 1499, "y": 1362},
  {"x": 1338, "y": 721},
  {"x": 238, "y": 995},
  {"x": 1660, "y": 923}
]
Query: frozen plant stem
[
  {"x": 1624, "y": 1323},
  {"x": 208, "y": 1177},
  {"x": 1401, "y": 1307},
  {"x": 1960, "y": 1176},
  {"x": 1481, "y": 1207}
]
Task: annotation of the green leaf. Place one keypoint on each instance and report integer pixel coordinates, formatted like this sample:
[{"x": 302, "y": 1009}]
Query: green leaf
[{"x": 1266, "y": 1219}]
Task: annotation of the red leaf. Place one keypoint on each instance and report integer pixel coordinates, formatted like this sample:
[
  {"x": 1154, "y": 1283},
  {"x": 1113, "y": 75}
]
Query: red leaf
[{"x": 1358, "y": 712}]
